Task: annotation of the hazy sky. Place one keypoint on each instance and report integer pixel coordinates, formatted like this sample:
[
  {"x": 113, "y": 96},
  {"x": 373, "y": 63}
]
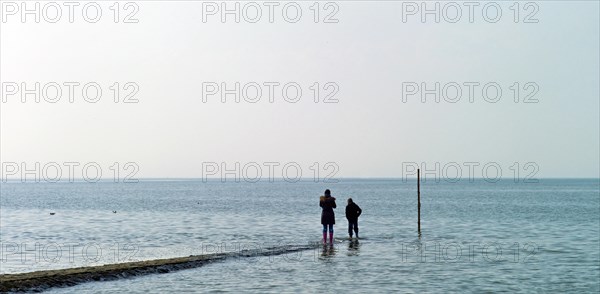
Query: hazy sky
[{"x": 370, "y": 53}]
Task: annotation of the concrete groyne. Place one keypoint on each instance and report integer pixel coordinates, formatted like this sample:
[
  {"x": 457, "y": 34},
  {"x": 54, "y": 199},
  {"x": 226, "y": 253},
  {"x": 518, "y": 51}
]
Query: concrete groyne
[{"x": 42, "y": 280}]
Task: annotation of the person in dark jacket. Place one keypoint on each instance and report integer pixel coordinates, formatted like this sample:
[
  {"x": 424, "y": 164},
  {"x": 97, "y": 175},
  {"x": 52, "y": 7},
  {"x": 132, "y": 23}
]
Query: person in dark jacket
[
  {"x": 352, "y": 214},
  {"x": 327, "y": 215}
]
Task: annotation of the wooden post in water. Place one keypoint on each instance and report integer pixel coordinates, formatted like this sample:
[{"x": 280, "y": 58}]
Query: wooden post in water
[{"x": 419, "y": 200}]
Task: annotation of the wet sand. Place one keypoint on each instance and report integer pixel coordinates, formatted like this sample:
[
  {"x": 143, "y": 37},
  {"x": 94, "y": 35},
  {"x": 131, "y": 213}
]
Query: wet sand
[{"x": 41, "y": 280}]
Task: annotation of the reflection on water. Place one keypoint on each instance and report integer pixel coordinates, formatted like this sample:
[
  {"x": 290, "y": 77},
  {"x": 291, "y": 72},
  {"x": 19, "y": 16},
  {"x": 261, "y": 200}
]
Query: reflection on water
[
  {"x": 328, "y": 251},
  {"x": 353, "y": 247}
]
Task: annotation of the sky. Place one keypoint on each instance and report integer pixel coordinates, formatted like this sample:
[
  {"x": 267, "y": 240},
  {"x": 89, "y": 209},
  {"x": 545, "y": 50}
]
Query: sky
[{"x": 371, "y": 61}]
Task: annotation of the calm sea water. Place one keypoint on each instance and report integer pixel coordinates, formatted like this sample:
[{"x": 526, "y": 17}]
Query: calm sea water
[{"x": 476, "y": 236}]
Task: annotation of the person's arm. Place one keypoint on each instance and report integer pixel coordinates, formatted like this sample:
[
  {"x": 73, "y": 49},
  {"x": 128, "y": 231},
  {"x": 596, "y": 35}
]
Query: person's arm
[{"x": 359, "y": 211}]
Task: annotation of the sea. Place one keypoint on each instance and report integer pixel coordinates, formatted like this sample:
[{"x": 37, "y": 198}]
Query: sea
[{"x": 476, "y": 235}]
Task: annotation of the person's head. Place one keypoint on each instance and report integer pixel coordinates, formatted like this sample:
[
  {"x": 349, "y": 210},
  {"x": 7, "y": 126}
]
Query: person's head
[
  {"x": 327, "y": 193},
  {"x": 349, "y": 200}
]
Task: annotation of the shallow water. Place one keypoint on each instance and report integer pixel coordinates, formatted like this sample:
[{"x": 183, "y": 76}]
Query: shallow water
[{"x": 480, "y": 236}]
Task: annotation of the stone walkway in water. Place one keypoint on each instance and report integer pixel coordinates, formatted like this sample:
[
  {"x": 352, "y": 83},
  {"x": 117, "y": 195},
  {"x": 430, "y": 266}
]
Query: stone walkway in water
[{"x": 42, "y": 280}]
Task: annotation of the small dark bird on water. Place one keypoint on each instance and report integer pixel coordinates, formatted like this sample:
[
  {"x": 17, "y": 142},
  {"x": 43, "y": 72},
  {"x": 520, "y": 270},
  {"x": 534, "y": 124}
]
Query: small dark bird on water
[
  {"x": 114, "y": 211},
  {"x": 52, "y": 213}
]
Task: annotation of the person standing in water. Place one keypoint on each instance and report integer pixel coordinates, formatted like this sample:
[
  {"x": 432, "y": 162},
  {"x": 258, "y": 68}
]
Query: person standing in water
[
  {"x": 327, "y": 215},
  {"x": 352, "y": 214}
]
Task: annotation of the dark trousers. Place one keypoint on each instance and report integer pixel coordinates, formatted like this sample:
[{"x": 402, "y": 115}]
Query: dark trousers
[{"x": 352, "y": 225}]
